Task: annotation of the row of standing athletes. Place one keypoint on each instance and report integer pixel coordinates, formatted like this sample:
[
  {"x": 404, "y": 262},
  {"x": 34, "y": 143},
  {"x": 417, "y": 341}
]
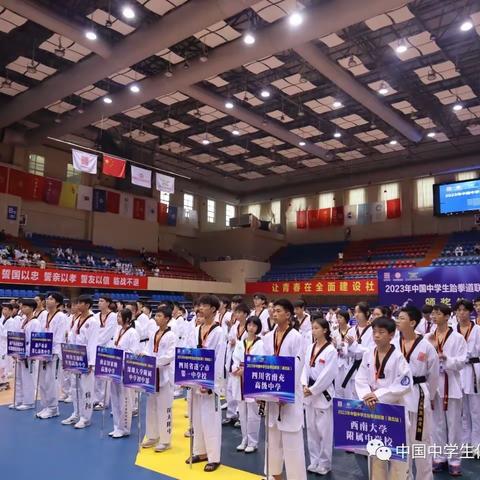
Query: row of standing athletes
[{"x": 343, "y": 361}]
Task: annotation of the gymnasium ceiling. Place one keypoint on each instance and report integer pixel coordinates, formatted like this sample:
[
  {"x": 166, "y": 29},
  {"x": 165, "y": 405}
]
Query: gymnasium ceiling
[{"x": 343, "y": 97}]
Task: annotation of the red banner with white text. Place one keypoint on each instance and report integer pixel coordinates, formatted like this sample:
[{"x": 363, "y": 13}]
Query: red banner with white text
[
  {"x": 316, "y": 287},
  {"x": 69, "y": 278}
]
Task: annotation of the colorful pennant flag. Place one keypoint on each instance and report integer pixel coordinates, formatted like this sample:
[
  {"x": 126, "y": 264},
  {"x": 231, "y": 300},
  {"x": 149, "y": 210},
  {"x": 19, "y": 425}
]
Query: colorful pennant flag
[
  {"x": 84, "y": 198},
  {"x": 150, "y": 210},
  {"x": 165, "y": 183},
  {"x": 52, "y": 190},
  {"x": 162, "y": 214},
  {"x": 126, "y": 205},
  {"x": 350, "y": 214},
  {"x": 139, "y": 208},
  {"x": 394, "y": 208},
  {"x": 84, "y": 162},
  {"x": 113, "y": 166},
  {"x": 363, "y": 213},
  {"x": 172, "y": 216},
  {"x": 337, "y": 216},
  {"x": 141, "y": 176},
  {"x": 3, "y": 179},
  {"x": 377, "y": 212},
  {"x": 99, "y": 200},
  {"x": 301, "y": 219},
  {"x": 113, "y": 202},
  {"x": 68, "y": 195},
  {"x": 18, "y": 183},
  {"x": 35, "y": 187}
]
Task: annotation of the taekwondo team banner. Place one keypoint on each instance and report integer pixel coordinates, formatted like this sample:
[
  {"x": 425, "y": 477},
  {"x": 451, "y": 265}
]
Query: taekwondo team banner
[
  {"x": 41, "y": 346},
  {"x": 109, "y": 363},
  {"x": 355, "y": 425},
  {"x": 270, "y": 378},
  {"x": 195, "y": 367},
  {"x": 16, "y": 345},
  {"x": 139, "y": 372},
  {"x": 74, "y": 358},
  {"x": 428, "y": 285},
  {"x": 70, "y": 278}
]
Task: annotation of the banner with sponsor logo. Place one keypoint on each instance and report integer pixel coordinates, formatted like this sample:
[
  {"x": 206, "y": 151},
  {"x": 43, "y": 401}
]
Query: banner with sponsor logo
[
  {"x": 317, "y": 287},
  {"x": 428, "y": 285},
  {"x": 69, "y": 278}
]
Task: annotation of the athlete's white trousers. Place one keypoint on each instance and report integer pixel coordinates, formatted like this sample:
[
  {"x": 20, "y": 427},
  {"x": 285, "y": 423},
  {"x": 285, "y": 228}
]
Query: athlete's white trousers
[
  {"x": 471, "y": 419},
  {"x": 232, "y": 404},
  {"x": 122, "y": 407},
  {"x": 85, "y": 395},
  {"x": 320, "y": 436},
  {"x": 423, "y": 463},
  {"x": 207, "y": 426},
  {"x": 249, "y": 422},
  {"x": 26, "y": 382},
  {"x": 48, "y": 383},
  {"x": 447, "y": 428},
  {"x": 159, "y": 415}
]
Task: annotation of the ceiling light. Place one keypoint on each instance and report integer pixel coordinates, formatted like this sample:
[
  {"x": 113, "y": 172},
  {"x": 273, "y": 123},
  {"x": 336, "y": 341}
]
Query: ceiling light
[
  {"x": 80, "y": 110},
  {"x": 186, "y": 65},
  {"x": 401, "y": 47},
  {"x": 295, "y": 19},
  {"x": 302, "y": 143},
  {"x": 249, "y": 39},
  {"x": 466, "y": 26},
  {"x": 168, "y": 73},
  {"x": 337, "y": 134},
  {"x": 168, "y": 123},
  {"x": 7, "y": 83},
  {"x": 264, "y": 93},
  {"x": 204, "y": 57},
  {"x": 134, "y": 88},
  {"x": 31, "y": 68},
  {"x": 128, "y": 12},
  {"x": 352, "y": 62},
  {"x": 337, "y": 104},
  {"x": 393, "y": 142},
  {"x": 432, "y": 75},
  {"x": 59, "y": 52},
  {"x": 107, "y": 100},
  {"x": 301, "y": 113},
  {"x": 91, "y": 35},
  {"x": 58, "y": 120},
  {"x": 229, "y": 104},
  {"x": 383, "y": 90},
  {"x": 141, "y": 133},
  {"x": 431, "y": 134},
  {"x": 457, "y": 107},
  {"x": 235, "y": 132},
  {"x": 205, "y": 141}
]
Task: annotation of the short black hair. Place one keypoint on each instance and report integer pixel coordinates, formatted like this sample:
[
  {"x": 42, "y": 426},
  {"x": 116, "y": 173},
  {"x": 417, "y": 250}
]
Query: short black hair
[
  {"x": 385, "y": 323},
  {"x": 386, "y": 311},
  {"x": 468, "y": 304},
  {"x": 443, "y": 308},
  {"x": 319, "y": 320},
  {"x": 176, "y": 304},
  {"x": 7, "y": 305},
  {"x": 285, "y": 303},
  {"x": 299, "y": 304},
  {"x": 243, "y": 307},
  {"x": 85, "y": 299},
  {"x": 260, "y": 296},
  {"x": 126, "y": 316},
  {"x": 344, "y": 314},
  {"x": 237, "y": 299},
  {"x": 29, "y": 302},
  {"x": 413, "y": 313},
  {"x": 427, "y": 309},
  {"x": 133, "y": 304},
  {"x": 254, "y": 319},
  {"x": 211, "y": 300},
  {"x": 167, "y": 311},
  {"x": 226, "y": 302},
  {"x": 57, "y": 296},
  {"x": 167, "y": 303},
  {"x": 68, "y": 304},
  {"x": 147, "y": 305},
  {"x": 364, "y": 308},
  {"x": 41, "y": 296},
  {"x": 107, "y": 299},
  {"x": 183, "y": 310}
]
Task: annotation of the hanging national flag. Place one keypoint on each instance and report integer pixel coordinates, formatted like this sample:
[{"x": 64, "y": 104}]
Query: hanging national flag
[
  {"x": 150, "y": 210},
  {"x": 99, "y": 200},
  {"x": 302, "y": 219},
  {"x": 113, "y": 166},
  {"x": 350, "y": 214},
  {"x": 141, "y": 176},
  {"x": 377, "y": 212},
  {"x": 18, "y": 183},
  {"x": 84, "y": 162},
  {"x": 113, "y": 202},
  {"x": 165, "y": 183},
  {"x": 337, "y": 216},
  {"x": 51, "y": 193},
  {"x": 68, "y": 195},
  {"x": 325, "y": 216},
  {"x": 84, "y": 198},
  {"x": 394, "y": 208},
  {"x": 162, "y": 214},
  {"x": 172, "y": 216},
  {"x": 313, "y": 219},
  {"x": 3, "y": 179},
  {"x": 363, "y": 214},
  {"x": 126, "y": 205},
  {"x": 35, "y": 187},
  {"x": 139, "y": 208}
]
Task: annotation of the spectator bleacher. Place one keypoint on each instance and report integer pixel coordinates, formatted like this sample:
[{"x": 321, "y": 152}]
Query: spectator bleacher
[{"x": 460, "y": 250}]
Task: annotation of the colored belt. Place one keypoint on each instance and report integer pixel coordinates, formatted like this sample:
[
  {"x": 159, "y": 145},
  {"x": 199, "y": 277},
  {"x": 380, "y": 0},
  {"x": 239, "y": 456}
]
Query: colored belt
[
  {"x": 421, "y": 408},
  {"x": 472, "y": 362},
  {"x": 311, "y": 381},
  {"x": 353, "y": 369}
]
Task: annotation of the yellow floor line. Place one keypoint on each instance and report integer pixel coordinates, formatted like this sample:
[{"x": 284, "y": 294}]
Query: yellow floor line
[{"x": 172, "y": 462}]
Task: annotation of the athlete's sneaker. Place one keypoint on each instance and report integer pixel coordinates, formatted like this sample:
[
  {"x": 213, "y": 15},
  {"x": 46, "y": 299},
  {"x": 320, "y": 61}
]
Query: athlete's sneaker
[
  {"x": 71, "y": 420},
  {"x": 25, "y": 407},
  {"x": 149, "y": 442},
  {"x": 69, "y": 399},
  {"x": 250, "y": 449},
  {"x": 48, "y": 413},
  {"x": 241, "y": 447},
  {"x": 82, "y": 423},
  {"x": 119, "y": 434},
  {"x": 322, "y": 471},
  {"x": 161, "y": 447}
]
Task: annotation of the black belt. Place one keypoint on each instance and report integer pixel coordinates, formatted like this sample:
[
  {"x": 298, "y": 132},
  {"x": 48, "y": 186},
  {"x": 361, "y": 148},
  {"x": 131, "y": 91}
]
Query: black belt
[
  {"x": 420, "y": 408},
  {"x": 417, "y": 380},
  {"x": 472, "y": 362},
  {"x": 144, "y": 340},
  {"x": 355, "y": 367},
  {"x": 311, "y": 381}
]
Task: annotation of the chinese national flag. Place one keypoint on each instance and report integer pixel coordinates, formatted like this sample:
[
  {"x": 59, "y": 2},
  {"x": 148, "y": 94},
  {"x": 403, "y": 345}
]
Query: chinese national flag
[
  {"x": 394, "y": 208},
  {"x": 302, "y": 219},
  {"x": 162, "y": 213},
  {"x": 3, "y": 179},
  {"x": 113, "y": 202},
  {"x": 18, "y": 183},
  {"x": 139, "y": 208},
  {"x": 337, "y": 216},
  {"x": 115, "y": 167},
  {"x": 325, "y": 216}
]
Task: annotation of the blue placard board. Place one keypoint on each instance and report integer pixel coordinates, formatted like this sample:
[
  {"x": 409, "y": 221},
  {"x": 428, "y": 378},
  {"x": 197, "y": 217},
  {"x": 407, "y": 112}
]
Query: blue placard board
[
  {"x": 195, "y": 367},
  {"x": 270, "y": 378},
  {"x": 74, "y": 358},
  {"x": 354, "y": 425},
  {"x": 12, "y": 212},
  {"x": 428, "y": 285},
  {"x": 16, "y": 347},
  {"x": 109, "y": 363},
  {"x": 41, "y": 346},
  {"x": 139, "y": 372}
]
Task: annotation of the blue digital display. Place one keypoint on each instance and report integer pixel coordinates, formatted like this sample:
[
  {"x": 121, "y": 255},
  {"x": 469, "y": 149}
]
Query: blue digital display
[{"x": 457, "y": 197}]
